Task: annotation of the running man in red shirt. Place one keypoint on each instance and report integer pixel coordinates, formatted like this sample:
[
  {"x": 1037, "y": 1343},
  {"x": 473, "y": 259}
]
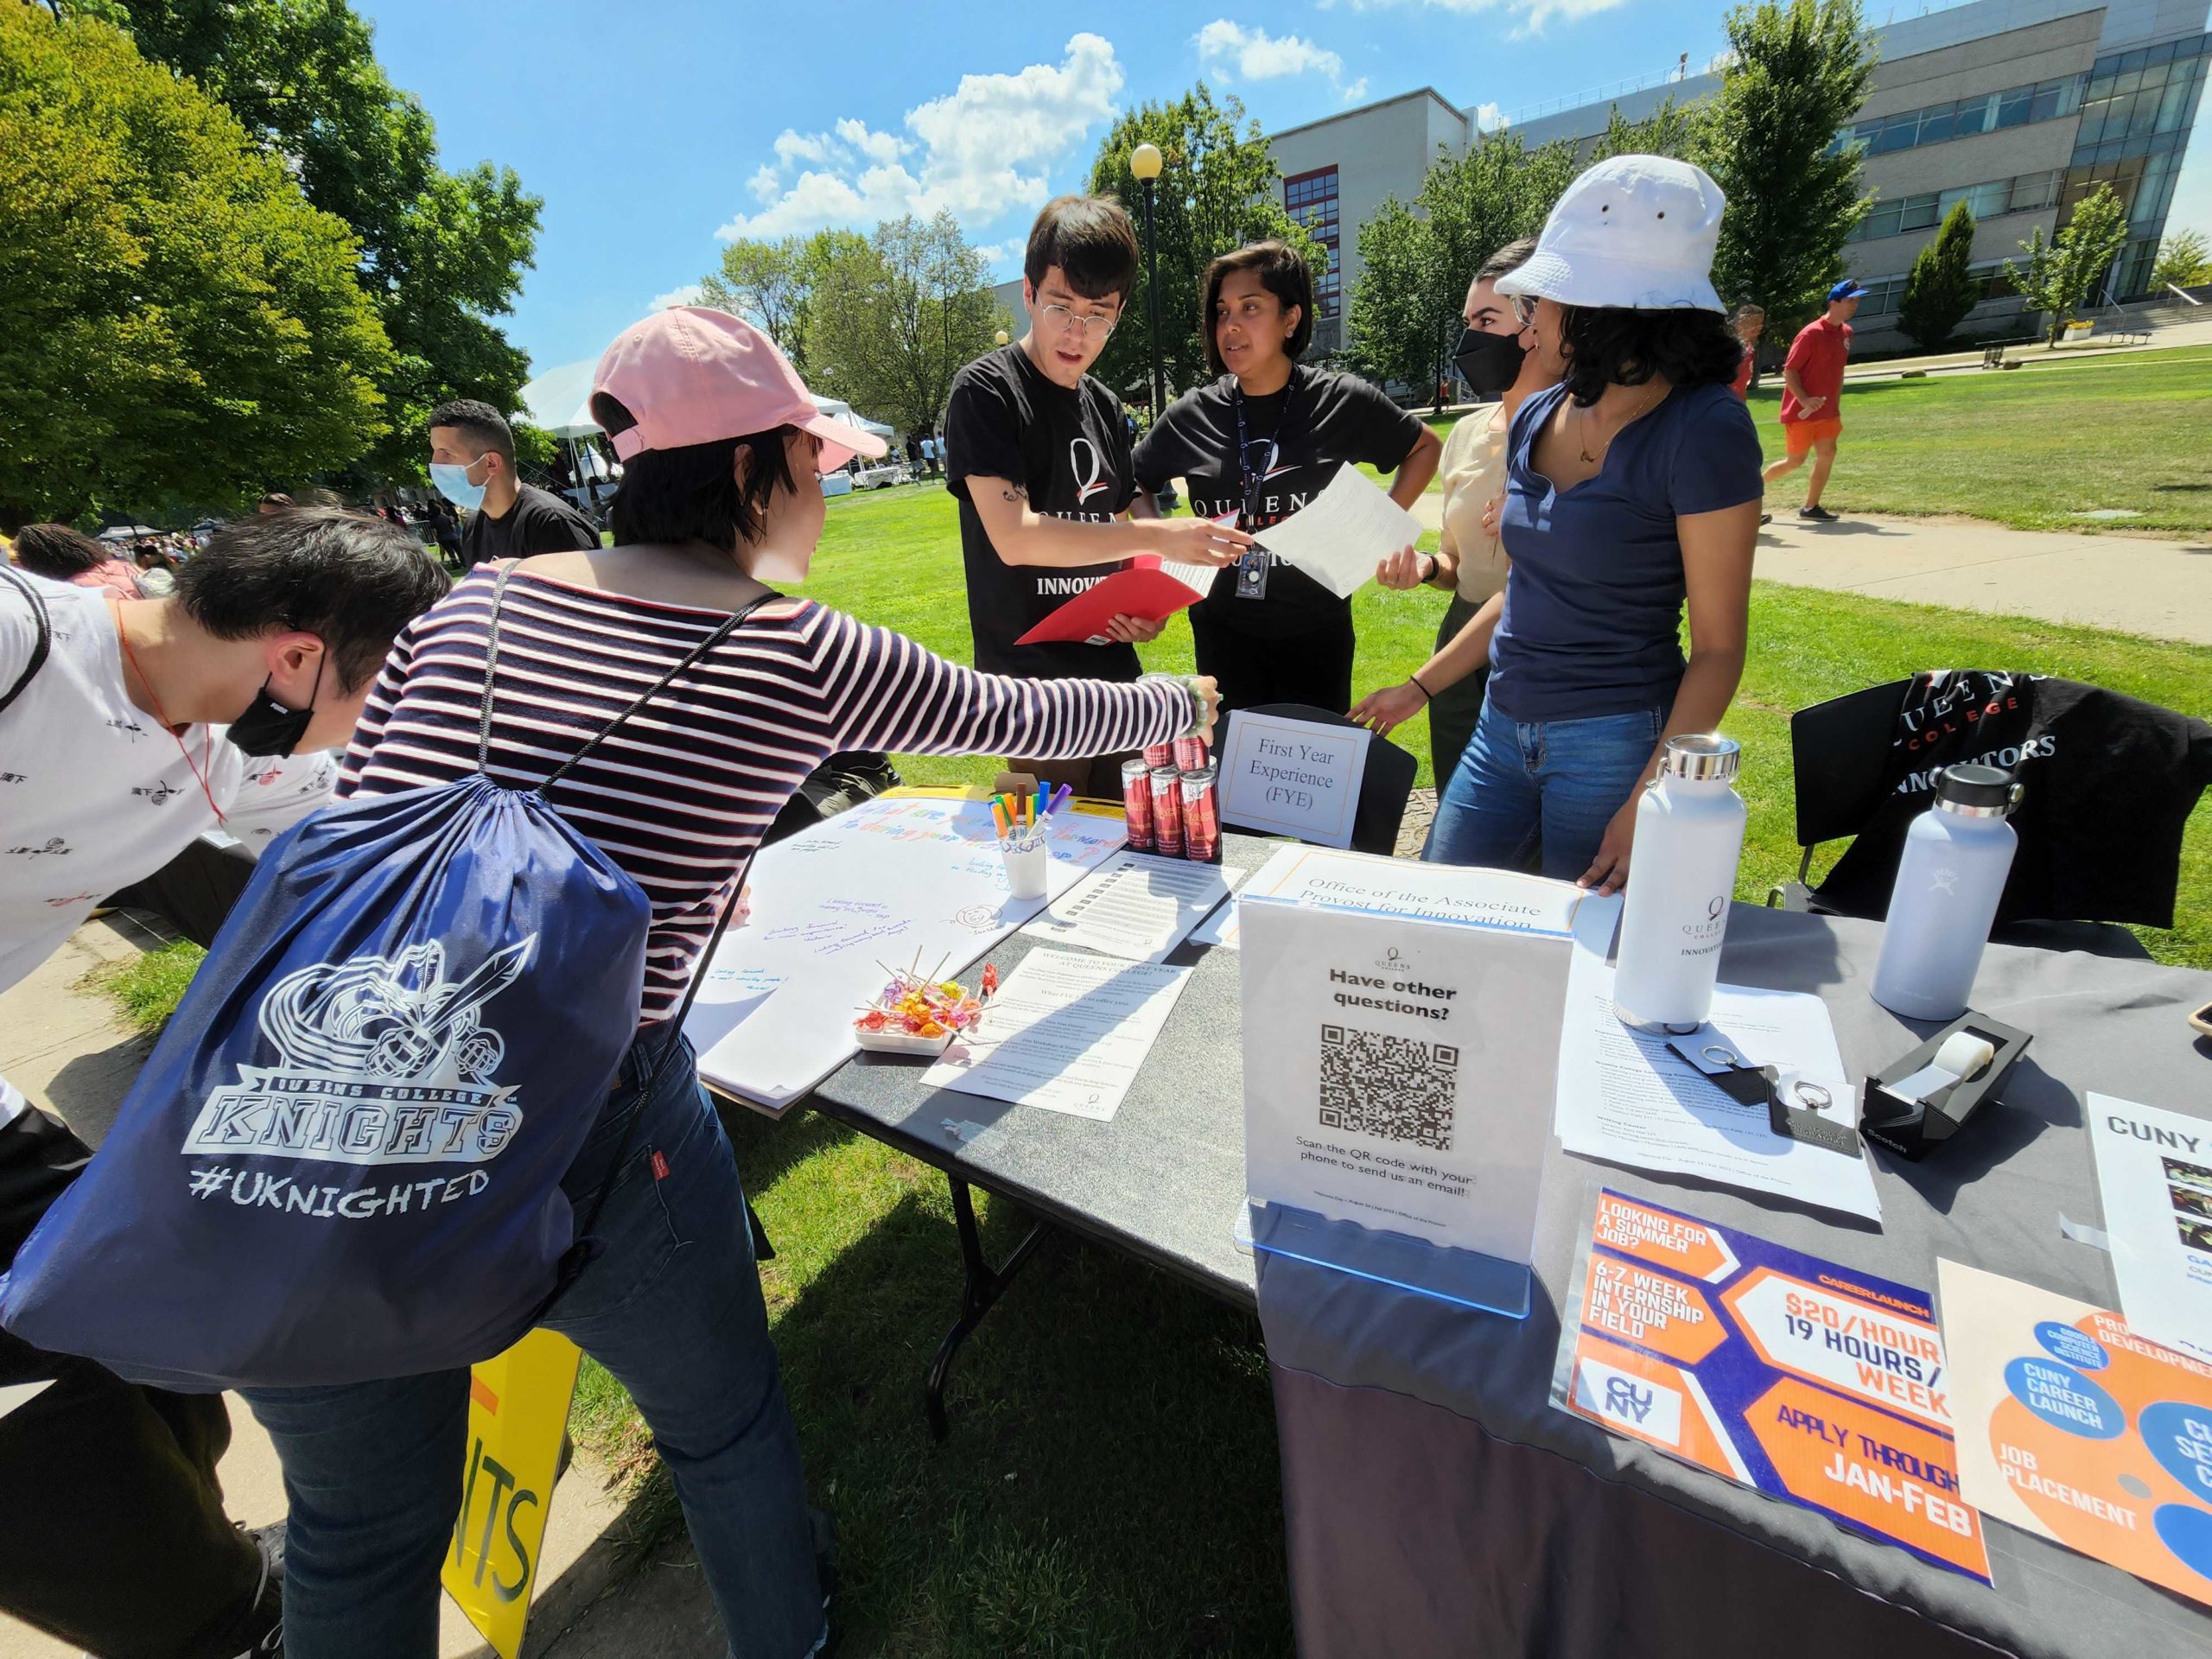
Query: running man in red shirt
[{"x": 1812, "y": 394}]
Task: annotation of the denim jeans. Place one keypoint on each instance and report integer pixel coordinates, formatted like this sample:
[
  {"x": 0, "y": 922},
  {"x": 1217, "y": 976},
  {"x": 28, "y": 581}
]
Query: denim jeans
[
  {"x": 671, "y": 1305},
  {"x": 1553, "y": 784}
]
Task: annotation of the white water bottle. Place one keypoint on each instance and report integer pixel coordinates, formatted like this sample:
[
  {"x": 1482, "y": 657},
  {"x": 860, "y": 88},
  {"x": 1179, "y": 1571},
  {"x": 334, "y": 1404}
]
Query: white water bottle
[
  {"x": 1689, "y": 835},
  {"x": 1949, "y": 880}
]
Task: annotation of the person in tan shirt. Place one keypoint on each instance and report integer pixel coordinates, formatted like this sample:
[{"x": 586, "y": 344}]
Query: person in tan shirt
[{"x": 1495, "y": 358}]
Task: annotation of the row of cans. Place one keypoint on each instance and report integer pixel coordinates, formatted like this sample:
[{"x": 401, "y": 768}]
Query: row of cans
[{"x": 1171, "y": 798}]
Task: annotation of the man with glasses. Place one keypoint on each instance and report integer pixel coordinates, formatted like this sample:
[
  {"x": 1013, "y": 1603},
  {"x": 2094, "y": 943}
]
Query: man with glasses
[{"x": 1040, "y": 461}]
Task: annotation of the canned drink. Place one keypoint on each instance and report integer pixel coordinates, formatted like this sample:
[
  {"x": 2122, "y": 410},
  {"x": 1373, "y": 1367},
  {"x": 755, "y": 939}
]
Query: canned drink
[
  {"x": 1189, "y": 753},
  {"x": 1201, "y": 815},
  {"x": 1168, "y": 811},
  {"x": 1157, "y": 755},
  {"x": 1137, "y": 803}
]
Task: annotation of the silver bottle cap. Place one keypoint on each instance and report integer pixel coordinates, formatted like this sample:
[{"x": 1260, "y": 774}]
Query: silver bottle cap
[
  {"x": 1701, "y": 758},
  {"x": 1977, "y": 792}
]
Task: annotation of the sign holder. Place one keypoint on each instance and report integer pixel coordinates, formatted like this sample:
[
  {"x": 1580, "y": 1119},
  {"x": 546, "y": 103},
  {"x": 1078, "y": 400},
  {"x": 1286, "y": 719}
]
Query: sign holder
[{"x": 1488, "y": 1284}]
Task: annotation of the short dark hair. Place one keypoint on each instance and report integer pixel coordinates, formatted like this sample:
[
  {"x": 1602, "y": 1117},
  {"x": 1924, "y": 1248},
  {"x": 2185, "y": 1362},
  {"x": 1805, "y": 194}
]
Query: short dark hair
[
  {"x": 1749, "y": 308},
  {"x": 1611, "y": 344},
  {"x": 691, "y": 493},
  {"x": 1282, "y": 273},
  {"x": 480, "y": 421},
  {"x": 57, "y": 552},
  {"x": 1091, "y": 240},
  {"x": 351, "y": 580},
  {"x": 1507, "y": 260}
]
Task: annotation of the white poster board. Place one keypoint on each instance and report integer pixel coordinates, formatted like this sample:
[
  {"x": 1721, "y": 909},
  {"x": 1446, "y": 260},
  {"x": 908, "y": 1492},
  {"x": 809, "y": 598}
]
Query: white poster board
[
  {"x": 901, "y": 881},
  {"x": 2154, "y": 1171},
  {"x": 1397, "y": 1067},
  {"x": 1292, "y": 777}
]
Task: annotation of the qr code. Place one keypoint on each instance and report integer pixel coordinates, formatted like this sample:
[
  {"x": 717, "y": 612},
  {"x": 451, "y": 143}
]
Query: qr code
[{"x": 1394, "y": 1088}]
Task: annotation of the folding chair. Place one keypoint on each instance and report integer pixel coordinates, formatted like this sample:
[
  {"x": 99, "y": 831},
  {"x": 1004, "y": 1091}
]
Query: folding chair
[{"x": 1384, "y": 786}]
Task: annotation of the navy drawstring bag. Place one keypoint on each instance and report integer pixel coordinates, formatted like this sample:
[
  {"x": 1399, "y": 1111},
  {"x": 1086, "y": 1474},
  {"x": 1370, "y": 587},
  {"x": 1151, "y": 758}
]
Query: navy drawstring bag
[{"x": 343, "y": 1161}]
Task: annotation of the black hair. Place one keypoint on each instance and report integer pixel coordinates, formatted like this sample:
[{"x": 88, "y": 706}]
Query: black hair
[
  {"x": 351, "y": 580},
  {"x": 482, "y": 423},
  {"x": 1612, "y": 345},
  {"x": 691, "y": 493},
  {"x": 1282, "y": 273},
  {"x": 57, "y": 552},
  {"x": 1091, "y": 240},
  {"x": 1507, "y": 260}
]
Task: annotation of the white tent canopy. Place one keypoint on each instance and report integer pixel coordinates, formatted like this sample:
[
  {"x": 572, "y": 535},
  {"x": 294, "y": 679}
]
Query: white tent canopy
[{"x": 559, "y": 400}]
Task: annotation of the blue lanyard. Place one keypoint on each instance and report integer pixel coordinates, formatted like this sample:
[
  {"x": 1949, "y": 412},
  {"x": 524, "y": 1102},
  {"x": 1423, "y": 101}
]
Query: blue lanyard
[{"x": 1252, "y": 568}]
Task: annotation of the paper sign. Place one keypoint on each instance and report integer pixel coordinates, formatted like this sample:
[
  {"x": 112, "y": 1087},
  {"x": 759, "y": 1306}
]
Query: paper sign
[
  {"x": 2073, "y": 1426},
  {"x": 1430, "y": 892},
  {"x": 1797, "y": 1378},
  {"x": 1135, "y": 905},
  {"x": 1292, "y": 777},
  {"x": 2154, "y": 1169},
  {"x": 1147, "y": 589},
  {"x": 1342, "y": 534},
  {"x": 1388, "y": 1074},
  {"x": 517, "y": 1412}
]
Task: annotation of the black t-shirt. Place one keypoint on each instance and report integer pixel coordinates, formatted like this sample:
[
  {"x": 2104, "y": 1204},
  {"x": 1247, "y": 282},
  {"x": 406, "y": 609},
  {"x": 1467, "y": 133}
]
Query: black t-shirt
[
  {"x": 1070, "y": 450},
  {"x": 1333, "y": 419},
  {"x": 539, "y": 522}
]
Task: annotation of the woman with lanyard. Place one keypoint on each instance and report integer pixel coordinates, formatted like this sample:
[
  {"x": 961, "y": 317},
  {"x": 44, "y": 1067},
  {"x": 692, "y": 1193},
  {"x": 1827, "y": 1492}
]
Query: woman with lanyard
[
  {"x": 1494, "y": 358},
  {"x": 1261, "y": 441},
  {"x": 1632, "y": 490}
]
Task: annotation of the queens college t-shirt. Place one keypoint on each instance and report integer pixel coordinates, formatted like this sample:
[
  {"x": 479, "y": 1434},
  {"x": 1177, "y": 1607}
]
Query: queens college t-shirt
[
  {"x": 1070, "y": 450},
  {"x": 1318, "y": 422}
]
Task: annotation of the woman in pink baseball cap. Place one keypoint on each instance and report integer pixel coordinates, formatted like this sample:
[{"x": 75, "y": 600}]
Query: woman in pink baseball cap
[{"x": 722, "y": 447}]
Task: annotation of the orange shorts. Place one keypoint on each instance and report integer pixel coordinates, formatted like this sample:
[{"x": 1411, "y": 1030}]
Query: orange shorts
[{"x": 1798, "y": 436}]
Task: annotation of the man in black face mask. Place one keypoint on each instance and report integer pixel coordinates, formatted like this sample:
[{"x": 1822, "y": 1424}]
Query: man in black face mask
[{"x": 127, "y": 728}]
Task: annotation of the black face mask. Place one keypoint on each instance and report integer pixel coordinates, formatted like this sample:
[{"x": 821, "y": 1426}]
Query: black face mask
[
  {"x": 267, "y": 729},
  {"x": 1489, "y": 363}
]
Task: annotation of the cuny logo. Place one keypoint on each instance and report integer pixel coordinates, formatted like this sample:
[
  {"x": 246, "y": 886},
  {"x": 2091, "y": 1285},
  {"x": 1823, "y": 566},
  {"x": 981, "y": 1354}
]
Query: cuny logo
[
  {"x": 382, "y": 1060},
  {"x": 1090, "y": 469}
]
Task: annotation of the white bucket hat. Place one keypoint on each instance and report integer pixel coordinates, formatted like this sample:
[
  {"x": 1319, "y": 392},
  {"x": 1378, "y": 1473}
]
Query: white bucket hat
[{"x": 1634, "y": 232}]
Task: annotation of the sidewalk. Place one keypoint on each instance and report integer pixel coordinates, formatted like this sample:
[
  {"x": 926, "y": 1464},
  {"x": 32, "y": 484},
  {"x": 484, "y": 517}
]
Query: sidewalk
[{"x": 64, "y": 1046}]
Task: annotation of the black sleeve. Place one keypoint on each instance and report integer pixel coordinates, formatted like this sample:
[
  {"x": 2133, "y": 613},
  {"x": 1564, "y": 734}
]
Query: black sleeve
[
  {"x": 1385, "y": 433},
  {"x": 982, "y": 431},
  {"x": 1164, "y": 452}
]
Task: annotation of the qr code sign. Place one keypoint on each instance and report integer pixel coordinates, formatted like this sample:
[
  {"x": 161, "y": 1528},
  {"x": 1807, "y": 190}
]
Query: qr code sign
[{"x": 1394, "y": 1088}]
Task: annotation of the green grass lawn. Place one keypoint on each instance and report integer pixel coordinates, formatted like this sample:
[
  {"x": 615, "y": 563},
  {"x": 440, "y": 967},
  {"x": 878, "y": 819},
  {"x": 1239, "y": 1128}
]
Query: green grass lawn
[{"x": 1109, "y": 1487}]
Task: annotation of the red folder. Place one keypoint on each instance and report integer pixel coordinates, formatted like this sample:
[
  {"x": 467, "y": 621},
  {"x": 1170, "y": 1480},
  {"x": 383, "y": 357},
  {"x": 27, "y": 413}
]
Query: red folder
[{"x": 1141, "y": 590}]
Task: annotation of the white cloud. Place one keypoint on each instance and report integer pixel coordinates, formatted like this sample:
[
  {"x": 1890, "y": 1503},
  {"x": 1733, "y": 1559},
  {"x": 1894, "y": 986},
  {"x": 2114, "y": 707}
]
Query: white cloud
[
  {"x": 979, "y": 151},
  {"x": 1356, "y": 90},
  {"x": 1489, "y": 117},
  {"x": 689, "y": 294},
  {"x": 1257, "y": 55},
  {"x": 1529, "y": 16}
]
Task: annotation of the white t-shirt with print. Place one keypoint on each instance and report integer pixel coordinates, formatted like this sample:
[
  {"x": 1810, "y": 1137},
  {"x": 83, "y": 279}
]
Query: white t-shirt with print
[{"x": 94, "y": 793}]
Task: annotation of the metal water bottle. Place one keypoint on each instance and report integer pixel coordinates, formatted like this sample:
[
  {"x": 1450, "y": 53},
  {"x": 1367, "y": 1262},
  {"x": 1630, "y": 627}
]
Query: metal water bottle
[
  {"x": 1689, "y": 836},
  {"x": 1949, "y": 880}
]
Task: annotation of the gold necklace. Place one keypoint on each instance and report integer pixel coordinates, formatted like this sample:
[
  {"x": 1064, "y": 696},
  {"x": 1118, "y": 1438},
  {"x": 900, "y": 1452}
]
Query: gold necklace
[{"x": 1582, "y": 427}]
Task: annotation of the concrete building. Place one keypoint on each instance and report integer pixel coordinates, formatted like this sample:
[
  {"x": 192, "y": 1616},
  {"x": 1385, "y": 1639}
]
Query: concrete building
[{"x": 2018, "y": 107}]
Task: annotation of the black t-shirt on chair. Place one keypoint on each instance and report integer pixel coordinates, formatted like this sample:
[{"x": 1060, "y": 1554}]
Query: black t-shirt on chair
[{"x": 1070, "y": 451}]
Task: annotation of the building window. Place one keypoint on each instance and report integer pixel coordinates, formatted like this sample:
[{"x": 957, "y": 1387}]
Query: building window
[
  {"x": 2028, "y": 192},
  {"x": 1963, "y": 118},
  {"x": 2131, "y": 98},
  {"x": 1310, "y": 199},
  {"x": 1884, "y": 294}
]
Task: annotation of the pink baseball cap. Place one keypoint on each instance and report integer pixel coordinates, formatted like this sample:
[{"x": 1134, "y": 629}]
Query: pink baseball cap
[{"x": 691, "y": 375}]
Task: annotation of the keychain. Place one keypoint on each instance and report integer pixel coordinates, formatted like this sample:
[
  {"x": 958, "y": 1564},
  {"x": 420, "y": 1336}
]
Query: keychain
[{"x": 1760, "y": 1085}]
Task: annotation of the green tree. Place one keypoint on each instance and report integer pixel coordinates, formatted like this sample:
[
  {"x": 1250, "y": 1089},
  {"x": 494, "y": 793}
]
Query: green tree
[
  {"x": 1676, "y": 130},
  {"x": 1218, "y": 190},
  {"x": 1795, "y": 76},
  {"x": 772, "y": 284},
  {"x": 1940, "y": 290},
  {"x": 178, "y": 327},
  {"x": 2184, "y": 260},
  {"x": 2061, "y": 274},
  {"x": 896, "y": 315},
  {"x": 1391, "y": 323},
  {"x": 443, "y": 252}
]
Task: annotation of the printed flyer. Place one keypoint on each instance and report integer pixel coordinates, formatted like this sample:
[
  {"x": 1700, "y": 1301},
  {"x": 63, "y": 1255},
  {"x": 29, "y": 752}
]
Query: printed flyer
[
  {"x": 2154, "y": 1169},
  {"x": 2076, "y": 1429},
  {"x": 1802, "y": 1379}
]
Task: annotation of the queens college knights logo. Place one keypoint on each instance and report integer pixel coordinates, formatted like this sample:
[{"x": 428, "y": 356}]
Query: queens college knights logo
[{"x": 382, "y": 1060}]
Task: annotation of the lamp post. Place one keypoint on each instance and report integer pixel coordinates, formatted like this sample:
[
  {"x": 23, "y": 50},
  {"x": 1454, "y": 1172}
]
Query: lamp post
[
  {"x": 1145, "y": 160},
  {"x": 999, "y": 338}
]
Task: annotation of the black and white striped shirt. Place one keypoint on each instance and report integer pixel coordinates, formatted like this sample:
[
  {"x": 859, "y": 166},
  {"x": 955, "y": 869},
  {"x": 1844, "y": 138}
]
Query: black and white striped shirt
[{"x": 680, "y": 795}]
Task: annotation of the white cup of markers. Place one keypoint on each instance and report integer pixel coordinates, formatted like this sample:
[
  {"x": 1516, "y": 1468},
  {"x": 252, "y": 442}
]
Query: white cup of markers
[{"x": 1021, "y": 823}]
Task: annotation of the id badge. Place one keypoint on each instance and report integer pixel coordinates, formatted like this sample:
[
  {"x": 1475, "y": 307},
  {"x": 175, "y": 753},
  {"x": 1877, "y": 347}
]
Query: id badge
[{"x": 1252, "y": 574}]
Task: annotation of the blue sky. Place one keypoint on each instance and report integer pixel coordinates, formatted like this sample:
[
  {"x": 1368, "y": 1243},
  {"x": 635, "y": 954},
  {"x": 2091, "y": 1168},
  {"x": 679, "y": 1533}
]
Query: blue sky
[{"x": 654, "y": 128}]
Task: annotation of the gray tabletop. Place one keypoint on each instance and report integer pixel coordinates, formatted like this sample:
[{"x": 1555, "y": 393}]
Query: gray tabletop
[{"x": 1164, "y": 1178}]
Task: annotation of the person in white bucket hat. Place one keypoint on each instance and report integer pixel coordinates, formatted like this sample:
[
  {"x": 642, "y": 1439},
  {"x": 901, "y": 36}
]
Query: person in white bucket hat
[{"x": 1632, "y": 490}]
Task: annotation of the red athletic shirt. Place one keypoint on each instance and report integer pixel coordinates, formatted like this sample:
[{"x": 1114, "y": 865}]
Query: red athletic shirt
[
  {"x": 1818, "y": 355},
  {"x": 1742, "y": 387}
]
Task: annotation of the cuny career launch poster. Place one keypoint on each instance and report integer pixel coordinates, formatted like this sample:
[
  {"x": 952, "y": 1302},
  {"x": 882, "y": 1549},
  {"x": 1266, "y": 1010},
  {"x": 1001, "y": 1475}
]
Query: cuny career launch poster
[{"x": 1801, "y": 1378}]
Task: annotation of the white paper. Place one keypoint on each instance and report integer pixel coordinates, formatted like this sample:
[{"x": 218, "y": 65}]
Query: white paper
[
  {"x": 1066, "y": 1031},
  {"x": 1198, "y": 578},
  {"x": 903, "y": 881},
  {"x": 1460, "y": 894},
  {"x": 1342, "y": 534},
  {"x": 1219, "y": 930},
  {"x": 1625, "y": 1097},
  {"x": 1136, "y": 906},
  {"x": 2154, "y": 1170},
  {"x": 1292, "y": 777}
]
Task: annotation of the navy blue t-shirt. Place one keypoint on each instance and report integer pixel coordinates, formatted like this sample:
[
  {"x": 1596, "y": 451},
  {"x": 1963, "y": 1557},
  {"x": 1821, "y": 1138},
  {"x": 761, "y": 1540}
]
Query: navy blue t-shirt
[{"x": 1594, "y": 607}]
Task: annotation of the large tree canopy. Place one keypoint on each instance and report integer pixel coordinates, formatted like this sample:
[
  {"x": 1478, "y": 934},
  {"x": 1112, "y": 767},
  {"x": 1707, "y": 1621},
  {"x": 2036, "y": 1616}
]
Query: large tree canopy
[{"x": 178, "y": 326}]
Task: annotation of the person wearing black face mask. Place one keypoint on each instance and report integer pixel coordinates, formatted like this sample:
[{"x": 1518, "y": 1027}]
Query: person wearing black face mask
[{"x": 1493, "y": 358}]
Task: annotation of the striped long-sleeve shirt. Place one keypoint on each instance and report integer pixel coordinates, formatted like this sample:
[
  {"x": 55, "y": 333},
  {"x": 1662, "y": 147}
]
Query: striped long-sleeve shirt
[{"x": 680, "y": 796}]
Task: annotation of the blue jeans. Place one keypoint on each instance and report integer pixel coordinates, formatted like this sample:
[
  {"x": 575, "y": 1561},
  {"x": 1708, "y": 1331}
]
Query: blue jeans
[
  {"x": 671, "y": 1305},
  {"x": 1550, "y": 784}
]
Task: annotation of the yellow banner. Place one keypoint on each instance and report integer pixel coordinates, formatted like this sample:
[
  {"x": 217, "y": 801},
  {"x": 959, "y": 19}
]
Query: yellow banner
[{"x": 517, "y": 1411}]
